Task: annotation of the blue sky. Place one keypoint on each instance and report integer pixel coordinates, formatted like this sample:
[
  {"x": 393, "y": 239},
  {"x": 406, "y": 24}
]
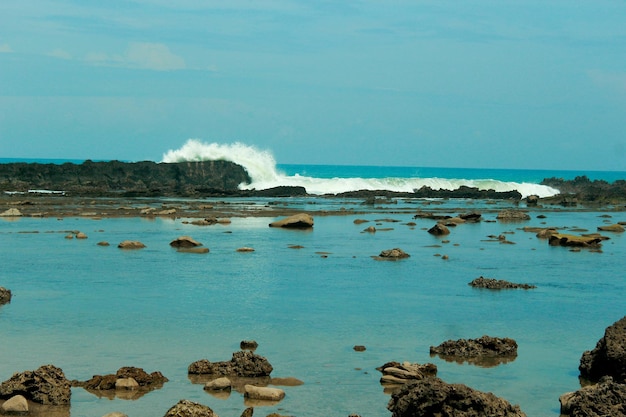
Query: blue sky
[{"x": 493, "y": 84}]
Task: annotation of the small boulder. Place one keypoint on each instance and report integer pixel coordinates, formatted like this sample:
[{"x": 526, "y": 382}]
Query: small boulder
[
  {"x": 297, "y": 221},
  {"x": 218, "y": 384},
  {"x": 126, "y": 383},
  {"x": 188, "y": 408},
  {"x": 395, "y": 373},
  {"x": 563, "y": 239},
  {"x": 184, "y": 242},
  {"x": 439, "y": 229},
  {"x": 617, "y": 228},
  {"x": 131, "y": 244},
  {"x": 81, "y": 235},
  {"x": 5, "y": 296},
  {"x": 250, "y": 345},
  {"x": 263, "y": 393},
  {"x": 243, "y": 364},
  {"x": 15, "y": 405},
  {"x": 245, "y": 249},
  {"x": 485, "y": 351},
  {"x": 393, "y": 254}
]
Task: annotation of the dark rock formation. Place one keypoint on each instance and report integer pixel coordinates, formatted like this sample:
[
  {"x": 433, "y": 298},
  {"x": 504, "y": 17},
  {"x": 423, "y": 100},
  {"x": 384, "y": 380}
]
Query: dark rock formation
[
  {"x": 392, "y": 254},
  {"x": 439, "y": 230},
  {"x": 184, "y": 242},
  {"x": 107, "y": 382},
  {"x": 130, "y": 179},
  {"x": 186, "y": 408},
  {"x": 485, "y": 351},
  {"x": 497, "y": 284},
  {"x": 609, "y": 355},
  {"x": 250, "y": 345},
  {"x": 242, "y": 364},
  {"x": 427, "y": 192},
  {"x": 606, "y": 398},
  {"x": 5, "y": 296},
  {"x": 582, "y": 189},
  {"x": 471, "y": 217},
  {"x": 45, "y": 385},
  {"x": 433, "y": 397}
]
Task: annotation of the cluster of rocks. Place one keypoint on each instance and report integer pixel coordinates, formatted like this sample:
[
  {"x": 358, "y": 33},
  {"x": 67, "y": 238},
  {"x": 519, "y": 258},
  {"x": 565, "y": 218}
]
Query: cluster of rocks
[
  {"x": 497, "y": 284},
  {"x": 485, "y": 351},
  {"x": 126, "y": 378},
  {"x": 5, "y": 295},
  {"x": 242, "y": 364},
  {"x": 582, "y": 190}
]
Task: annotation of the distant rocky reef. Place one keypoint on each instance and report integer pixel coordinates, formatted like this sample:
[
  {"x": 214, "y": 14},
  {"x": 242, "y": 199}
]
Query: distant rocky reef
[
  {"x": 130, "y": 179},
  {"x": 582, "y": 189}
]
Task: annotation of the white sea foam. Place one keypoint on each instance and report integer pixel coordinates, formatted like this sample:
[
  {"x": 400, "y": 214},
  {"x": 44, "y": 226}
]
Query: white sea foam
[{"x": 261, "y": 167}]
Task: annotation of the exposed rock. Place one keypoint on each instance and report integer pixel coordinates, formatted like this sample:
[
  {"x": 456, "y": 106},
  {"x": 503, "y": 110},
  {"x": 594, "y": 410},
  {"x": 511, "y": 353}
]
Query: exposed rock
[
  {"x": 479, "y": 351},
  {"x": 606, "y": 398},
  {"x": 5, "y": 295},
  {"x": 297, "y": 221},
  {"x": 115, "y": 414},
  {"x": 546, "y": 233},
  {"x": 370, "y": 229},
  {"x": 245, "y": 249},
  {"x": 498, "y": 284},
  {"x": 512, "y": 215},
  {"x": 218, "y": 384},
  {"x": 439, "y": 229},
  {"x": 12, "y": 212},
  {"x": 81, "y": 235},
  {"x": 45, "y": 385},
  {"x": 359, "y": 348},
  {"x": 186, "y": 408},
  {"x": 433, "y": 397},
  {"x": 584, "y": 190},
  {"x": 243, "y": 364},
  {"x": 263, "y": 393},
  {"x": 466, "y": 192},
  {"x": 396, "y": 373},
  {"x": 112, "y": 381},
  {"x": 393, "y": 254},
  {"x": 609, "y": 355},
  {"x": 184, "y": 242},
  {"x": 472, "y": 217},
  {"x": 131, "y": 244},
  {"x": 563, "y": 239},
  {"x": 251, "y": 345},
  {"x": 248, "y": 412},
  {"x": 15, "y": 405},
  {"x": 617, "y": 228},
  {"x": 532, "y": 200},
  {"x": 103, "y": 243},
  {"x": 126, "y": 383}
]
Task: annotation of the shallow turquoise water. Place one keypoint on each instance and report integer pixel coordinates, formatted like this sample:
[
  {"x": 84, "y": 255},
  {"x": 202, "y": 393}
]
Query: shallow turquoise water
[{"x": 91, "y": 310}]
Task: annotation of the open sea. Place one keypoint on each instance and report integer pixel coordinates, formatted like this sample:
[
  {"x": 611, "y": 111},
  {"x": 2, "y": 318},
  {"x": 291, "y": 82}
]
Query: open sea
[{"x": 90, "y": 309}]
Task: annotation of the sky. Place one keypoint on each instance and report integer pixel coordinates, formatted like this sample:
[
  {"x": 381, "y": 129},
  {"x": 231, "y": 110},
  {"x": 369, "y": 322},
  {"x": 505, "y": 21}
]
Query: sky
[{"x": 530, "y": 84}]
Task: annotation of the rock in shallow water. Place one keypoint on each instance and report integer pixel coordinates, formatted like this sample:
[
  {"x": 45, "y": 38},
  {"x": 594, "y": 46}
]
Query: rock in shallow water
[
  {"x": 609, "y": 355},
  {"x": 45, "y": 385}
]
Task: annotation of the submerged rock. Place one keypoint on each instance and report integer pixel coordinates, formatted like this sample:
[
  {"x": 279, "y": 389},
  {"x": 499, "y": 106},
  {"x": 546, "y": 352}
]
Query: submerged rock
[
  {"x": 45, "y": 385},
  {"x": 617, "y": 228},
  {"x": 433, "y": 397},
  {"x": 392, "y": 254},
  {"x": 131, "y": 244},
  {"x": 513, "y": 215},
  {"x": 498, "y": 284},
  {"x": 609, "y": 355}
]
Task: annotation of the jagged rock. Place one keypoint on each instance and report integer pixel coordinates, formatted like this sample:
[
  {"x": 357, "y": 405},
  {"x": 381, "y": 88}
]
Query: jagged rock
[
  {"x": 475, "y": 350},
  {"x": 263, "y": 393},
  {"x": 563, "y": 239},
  {"x": 497, "y": 284},
  {"x": 609, "y": 355},
  {"x": 395, "y": 373},
  {"x": 186, "y": 408},
  {"x": 131, "y": 244},
  {"x": 243, "y": 363},
  {"x": 512, "y": 215},
  {"x": 617, "y": 228},
  {"x": 184, "y": 242},
  {"x": 439, "y": 229},
  {"x": 393, "y": 254},
  {"x": 297, "y": 221},
  {"x": 5, "y": 295},
  {"x": 606, "y": 398},
  {"x": 433, "y": 397},
  {"x": 111, "y": 381},
  {"x": 46, "y": 385},
  {"x": 15, "y": 405}
]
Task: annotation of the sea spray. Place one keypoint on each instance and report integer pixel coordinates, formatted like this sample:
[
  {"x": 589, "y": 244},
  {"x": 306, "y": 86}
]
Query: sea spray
[{"x": 263, "y": 171}]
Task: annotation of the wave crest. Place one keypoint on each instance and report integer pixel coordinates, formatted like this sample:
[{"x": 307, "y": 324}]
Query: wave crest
[{"x": 261, "y": 166}]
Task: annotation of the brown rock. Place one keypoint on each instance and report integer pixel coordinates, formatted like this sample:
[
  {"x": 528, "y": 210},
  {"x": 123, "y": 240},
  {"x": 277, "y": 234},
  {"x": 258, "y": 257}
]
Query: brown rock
[
  {"x": 512, "y": 215},
  {"x": 618, "y": 228},
  {"x": 606, "y": 398},
  {"x": 481, "y": 351},
  {"x": 184, "y": 242},
  {"x": 563, "y": 239},
  {"x": 131, "y": 244},
  {"x": 243, "y": 363},
  {"x": 393, "y": 254},
  {"x": 186, "y": 408},
  {"x": 45, "y": 385},
  {"x": 497, "y": 284},
  {"x": 297, "y": 221},
  {"x": 439, "y": 229},
  {"x": 609, "y": 355},
  {"x": 5, "y": 296}
]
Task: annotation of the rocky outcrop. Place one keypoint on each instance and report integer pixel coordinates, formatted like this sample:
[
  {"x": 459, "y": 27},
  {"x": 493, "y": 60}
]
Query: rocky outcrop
[
  {"x": 497, "y": 284},
  {"x": 563, "y": 239},
  {"x": 45, "y": 385},
  {"x": 484, "y": 351},
  {"x": 616, "y": 228},
  {"x": 12, "y": 212},
  {"x": 609, "y": 355},
  {"x": 582, "y": 189},
  {"x": 297, "y": 221},
  {"x": 427, "y": 192},
  {"x": 606, "y": 398},
  {"x": 439, "y": 229},
  {"x": 513, "y": 216},
  {"x": 132, "y": 179},
  {"x": 186, "y": 408},
  {"x": 5, "y": 296},
  {"x": 433, "y": 397},
  {"x": 124, "y": 378},
  {"x": 392, "y": 254},
  {"x": 131, "y": 244},
  {"x": 395, "y": 373},
  {"x": 242, "y": 364},
  {"x": 184, "y": 242}
]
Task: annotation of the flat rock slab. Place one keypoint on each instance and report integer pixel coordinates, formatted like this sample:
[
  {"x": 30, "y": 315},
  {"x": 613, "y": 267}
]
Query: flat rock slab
[{"x": 297, "y": 221}]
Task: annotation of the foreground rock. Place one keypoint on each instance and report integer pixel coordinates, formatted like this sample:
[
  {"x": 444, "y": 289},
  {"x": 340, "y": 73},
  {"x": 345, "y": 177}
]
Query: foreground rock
[
  {"x": 396, "y": 373},
  {"x": 498, "y": 284},
  {"x": 433, "y": 397},
  {"x": 5, "y": 296},
  {"x": 45, "y": 385},
  {"x": 242, "y": 364},
  {"x": 606, "y": 398},
  {"x": 125, "y": 378},
  {"x": 15, "y": 405},
  {"x": 297, "y": 221},
  {"x": 484, "y": 351},
  {"x": 609, "y": 355},
  {"x": 186, "y": 408}
]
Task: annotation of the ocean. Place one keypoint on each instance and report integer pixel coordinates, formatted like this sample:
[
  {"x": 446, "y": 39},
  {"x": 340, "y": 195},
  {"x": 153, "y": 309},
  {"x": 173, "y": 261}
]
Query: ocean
[{"x": 90, "y": 309}]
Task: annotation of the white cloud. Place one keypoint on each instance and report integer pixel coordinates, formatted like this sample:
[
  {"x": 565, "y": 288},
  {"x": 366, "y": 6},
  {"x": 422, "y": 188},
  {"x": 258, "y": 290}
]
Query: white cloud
[
  {"x": 59, "y": 53},
  {"x": 5, "y": 48},
  {"x": 142, "y": 55}
]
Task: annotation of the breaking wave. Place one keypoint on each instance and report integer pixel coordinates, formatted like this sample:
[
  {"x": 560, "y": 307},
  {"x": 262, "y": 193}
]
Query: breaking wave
[{"x": 262, "y": 168}]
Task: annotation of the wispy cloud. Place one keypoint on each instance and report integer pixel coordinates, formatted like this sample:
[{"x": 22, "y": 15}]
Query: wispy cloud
[
  {"x": 59, "y": 53},
  {"x": 5, "y": 48},
  {"x": 141, "y": 55}
]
